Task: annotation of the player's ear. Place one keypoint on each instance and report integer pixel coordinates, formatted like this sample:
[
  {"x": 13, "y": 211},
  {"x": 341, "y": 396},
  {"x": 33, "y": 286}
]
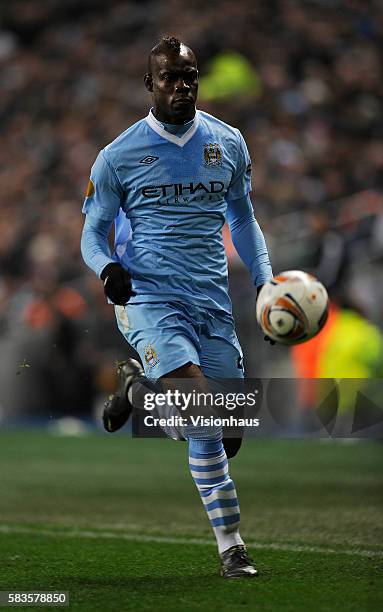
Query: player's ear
[{"x": 148, "y": 80}]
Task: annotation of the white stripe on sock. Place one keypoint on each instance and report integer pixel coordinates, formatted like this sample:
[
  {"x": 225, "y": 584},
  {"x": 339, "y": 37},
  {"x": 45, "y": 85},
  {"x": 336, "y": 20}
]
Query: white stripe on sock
[
  {"x": 221, "y": 512},
  {"x": 204, "y": 462},
  {"x": 222, "y": 494},
  {"x": 214, "y": 474},
  {"x": 226, "y": 540}
]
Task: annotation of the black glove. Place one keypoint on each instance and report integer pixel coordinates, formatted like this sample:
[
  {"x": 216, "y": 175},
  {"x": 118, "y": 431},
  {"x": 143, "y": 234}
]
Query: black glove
[
  {"x": 266, "y": 338},
  {"x": 117, "y": 283}
]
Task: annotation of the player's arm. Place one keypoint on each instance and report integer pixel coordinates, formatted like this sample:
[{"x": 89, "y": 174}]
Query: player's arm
[
  {"x": 94, "y": 244},
  {"x": 248, "y": 239},
  {"x": 246, "y": 234},
  {"x": 102, "y": 203},
  {"x": 249, "y": 242}
]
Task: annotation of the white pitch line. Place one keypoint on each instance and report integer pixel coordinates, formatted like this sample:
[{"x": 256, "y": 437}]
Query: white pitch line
[{"x": 137, "y": 537}]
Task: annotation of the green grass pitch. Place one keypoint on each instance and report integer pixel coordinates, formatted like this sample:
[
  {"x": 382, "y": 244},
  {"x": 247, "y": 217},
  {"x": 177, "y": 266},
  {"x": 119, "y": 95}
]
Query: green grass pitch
[{"x": 118, "y": 523}]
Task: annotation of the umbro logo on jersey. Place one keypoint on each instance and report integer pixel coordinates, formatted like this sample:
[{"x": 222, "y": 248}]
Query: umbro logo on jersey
[{"x": 149, "y": 159}]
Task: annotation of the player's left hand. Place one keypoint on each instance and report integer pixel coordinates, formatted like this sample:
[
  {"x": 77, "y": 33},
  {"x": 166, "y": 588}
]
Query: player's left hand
[
  {"x": 266, "y": 338},
  {"x": 117, "y": 283}
]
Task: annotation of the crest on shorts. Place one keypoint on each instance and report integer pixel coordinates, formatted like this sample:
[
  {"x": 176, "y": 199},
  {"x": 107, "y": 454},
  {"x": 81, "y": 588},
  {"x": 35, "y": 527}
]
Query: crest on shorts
[
  {"x": 212, "y": 154},
  {"x": 150, "y": 356}
]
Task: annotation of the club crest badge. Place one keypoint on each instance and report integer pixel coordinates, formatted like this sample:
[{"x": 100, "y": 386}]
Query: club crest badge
[
  {"x": 150, "y": 356},
  {"x": 212, "y": 154}
]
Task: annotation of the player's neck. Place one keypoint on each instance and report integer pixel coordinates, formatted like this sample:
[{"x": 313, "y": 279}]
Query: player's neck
[
  {"x": 168, "y": 120},
  {"x": 176, "y": 129}
]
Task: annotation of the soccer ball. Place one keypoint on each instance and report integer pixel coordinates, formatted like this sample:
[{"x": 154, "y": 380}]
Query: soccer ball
[{"x": 292, "y": 307}]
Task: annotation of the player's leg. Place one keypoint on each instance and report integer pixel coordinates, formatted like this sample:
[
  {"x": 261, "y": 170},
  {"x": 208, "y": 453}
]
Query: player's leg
[
  {"x": 210, "y": 471},
  {"x": 165, "y": 340},
  {"x": 168, "y": 345},
  {"x": 221, "y": 359},
  {"x": 118, "y": 408}
]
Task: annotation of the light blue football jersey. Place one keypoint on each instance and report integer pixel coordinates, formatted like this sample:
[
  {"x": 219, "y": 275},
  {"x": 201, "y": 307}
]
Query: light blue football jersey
[{"x": 173, "y": 190}]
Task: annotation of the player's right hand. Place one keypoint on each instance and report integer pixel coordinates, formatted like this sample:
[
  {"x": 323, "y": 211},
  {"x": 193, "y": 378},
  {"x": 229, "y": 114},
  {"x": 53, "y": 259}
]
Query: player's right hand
[
  {"x": 117, "y": 283},
  {"x": 266, "y": 338}
]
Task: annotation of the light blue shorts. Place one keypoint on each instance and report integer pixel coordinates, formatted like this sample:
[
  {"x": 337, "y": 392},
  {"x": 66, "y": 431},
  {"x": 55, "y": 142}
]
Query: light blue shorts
[{"x": 169, "y": 335}]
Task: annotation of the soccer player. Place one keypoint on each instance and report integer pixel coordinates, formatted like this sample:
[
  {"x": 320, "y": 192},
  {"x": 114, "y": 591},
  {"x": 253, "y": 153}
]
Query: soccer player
[{"x": 176, "y": 176}]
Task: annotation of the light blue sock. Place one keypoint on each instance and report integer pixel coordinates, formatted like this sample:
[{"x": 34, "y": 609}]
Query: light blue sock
[{"x": 209, "y": 469}]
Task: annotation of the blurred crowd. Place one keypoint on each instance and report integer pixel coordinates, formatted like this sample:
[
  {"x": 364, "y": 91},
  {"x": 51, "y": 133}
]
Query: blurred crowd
[{"x": 71, "y": 81}]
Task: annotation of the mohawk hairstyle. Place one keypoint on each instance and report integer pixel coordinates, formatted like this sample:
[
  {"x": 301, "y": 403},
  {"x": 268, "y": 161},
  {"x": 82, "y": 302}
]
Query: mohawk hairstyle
[
  {"x": 166, "y": 44},
  {"x": 170, "y": 43}
]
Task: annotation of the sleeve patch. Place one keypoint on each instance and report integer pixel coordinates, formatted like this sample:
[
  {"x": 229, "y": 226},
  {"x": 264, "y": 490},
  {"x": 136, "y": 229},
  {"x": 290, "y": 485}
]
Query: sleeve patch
[{"x": 89, "y": 189}]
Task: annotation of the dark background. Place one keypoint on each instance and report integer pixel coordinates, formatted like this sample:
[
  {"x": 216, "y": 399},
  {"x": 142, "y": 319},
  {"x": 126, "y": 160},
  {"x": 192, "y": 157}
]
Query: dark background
[{"x": 307, "y": 95}]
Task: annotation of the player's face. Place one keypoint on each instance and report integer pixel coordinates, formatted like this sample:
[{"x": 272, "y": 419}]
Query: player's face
[{"x": 174, "y": 84}]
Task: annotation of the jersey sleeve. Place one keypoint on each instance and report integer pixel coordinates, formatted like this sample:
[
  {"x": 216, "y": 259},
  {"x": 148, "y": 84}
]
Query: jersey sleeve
[
  {"x": 240, "y": 184},
  {"x": 94, "y": 244},
  {"x": 248, "y": 239},
  {"x": 104, "y": 194}
]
